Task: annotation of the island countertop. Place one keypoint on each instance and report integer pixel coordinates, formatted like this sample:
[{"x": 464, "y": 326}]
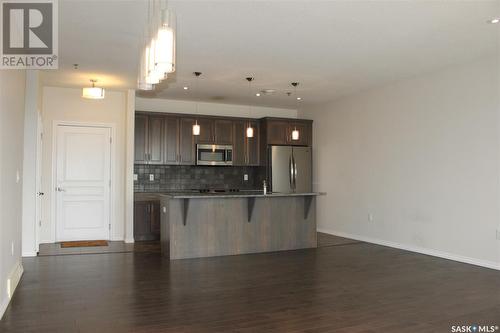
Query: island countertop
[{"x": 250, "y": 194}]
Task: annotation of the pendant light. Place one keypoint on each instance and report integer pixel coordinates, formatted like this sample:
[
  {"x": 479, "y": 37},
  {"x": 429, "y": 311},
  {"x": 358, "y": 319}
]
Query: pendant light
[
  {"x": 165, "y": 42},
  {"x": 249, "y": 131},
  {"x": 196, "y": 127},
  {"x": 295, "y": 132},
  {"x": 158, "y": 56},
  {"x": 93, "y": 92}
]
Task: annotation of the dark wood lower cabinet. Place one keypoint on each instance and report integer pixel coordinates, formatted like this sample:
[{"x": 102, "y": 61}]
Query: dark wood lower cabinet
[{"x": 146, "y": 220}]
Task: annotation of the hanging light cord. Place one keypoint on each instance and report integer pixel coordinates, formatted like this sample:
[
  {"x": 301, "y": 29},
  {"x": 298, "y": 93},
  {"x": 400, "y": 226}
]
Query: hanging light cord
[
  {"x": 197, "y": 94},
  {"x": 296, "y": 100},
  {"x": 249, "y": 79}
]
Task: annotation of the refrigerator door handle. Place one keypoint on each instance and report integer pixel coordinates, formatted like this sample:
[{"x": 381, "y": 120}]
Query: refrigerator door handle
[
  {"x": 294, "y": 173},
  {"x": 290, "y": 169}
]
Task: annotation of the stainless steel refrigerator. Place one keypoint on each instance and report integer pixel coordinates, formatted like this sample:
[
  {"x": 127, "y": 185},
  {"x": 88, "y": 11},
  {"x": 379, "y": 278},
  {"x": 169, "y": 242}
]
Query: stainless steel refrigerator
[{"x": 290, "y": 169}]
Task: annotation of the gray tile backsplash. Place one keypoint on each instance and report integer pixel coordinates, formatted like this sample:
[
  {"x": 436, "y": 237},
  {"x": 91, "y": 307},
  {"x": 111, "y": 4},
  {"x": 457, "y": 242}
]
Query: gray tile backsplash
[{"x": 185, "y": 177}]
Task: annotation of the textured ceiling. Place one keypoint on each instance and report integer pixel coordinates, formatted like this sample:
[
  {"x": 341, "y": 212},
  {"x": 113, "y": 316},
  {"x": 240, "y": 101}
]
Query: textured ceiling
[{"x": 332, "y": 48}]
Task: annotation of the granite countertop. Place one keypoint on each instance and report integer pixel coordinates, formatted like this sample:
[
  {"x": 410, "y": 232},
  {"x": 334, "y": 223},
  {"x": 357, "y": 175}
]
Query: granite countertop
[{"x": 255, "y": 194}]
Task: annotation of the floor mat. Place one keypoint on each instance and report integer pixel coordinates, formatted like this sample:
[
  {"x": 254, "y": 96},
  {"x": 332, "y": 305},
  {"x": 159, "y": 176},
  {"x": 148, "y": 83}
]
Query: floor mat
[{"x": 84, "y": 243}]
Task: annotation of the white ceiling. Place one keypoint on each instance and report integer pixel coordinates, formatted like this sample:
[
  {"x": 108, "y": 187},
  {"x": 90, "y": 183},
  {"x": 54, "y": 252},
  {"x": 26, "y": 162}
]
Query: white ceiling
[{"x": 332, "y": 48}]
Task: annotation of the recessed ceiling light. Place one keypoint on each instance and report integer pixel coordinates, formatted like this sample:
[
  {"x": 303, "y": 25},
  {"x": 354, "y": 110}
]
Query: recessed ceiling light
[
  {"x": 268, "y": 91},
  {"x": 495, "y": 20},
  {"x": 257, "y": 94},
  {"x": 186, "y": 88},
  {"x": 299, "y": 98}
]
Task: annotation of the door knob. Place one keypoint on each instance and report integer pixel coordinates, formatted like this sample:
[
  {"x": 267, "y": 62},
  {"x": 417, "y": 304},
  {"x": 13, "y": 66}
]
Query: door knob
[
  {"x": 40, "y": 193},
  {"x": 60, "y": 189}
]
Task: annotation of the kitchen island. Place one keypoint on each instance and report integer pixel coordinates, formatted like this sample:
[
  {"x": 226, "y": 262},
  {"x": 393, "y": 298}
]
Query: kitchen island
[{"x": 195, "y": 225}]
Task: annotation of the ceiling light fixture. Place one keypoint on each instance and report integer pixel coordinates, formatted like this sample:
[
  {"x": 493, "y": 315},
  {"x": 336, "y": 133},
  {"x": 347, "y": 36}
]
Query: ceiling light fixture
[
  {"x": 257, "y": 94},
  {"x": 495, "y": 20},
  {"x": 196, "y": 127},
  {"x": 268, "y": 91},
  {"x": 93, "y": 92},
  {"x": 295, "y": 132},
  {"x": 158, "y": 55},
  {"x": 186, "y": 88},
  {"x": 249, "y": 131}
]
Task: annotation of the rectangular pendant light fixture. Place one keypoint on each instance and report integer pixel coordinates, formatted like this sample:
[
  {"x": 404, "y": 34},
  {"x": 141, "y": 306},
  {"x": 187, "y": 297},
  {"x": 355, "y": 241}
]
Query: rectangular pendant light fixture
[{"x": 93, "y": 92}]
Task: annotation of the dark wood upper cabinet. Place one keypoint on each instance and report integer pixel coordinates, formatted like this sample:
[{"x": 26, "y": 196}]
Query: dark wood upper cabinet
[
  {"x": 223, "y": 131},
  {"x": 239, "y": 150},
  {"x": 186, "y": 142},
  {"x": 156, "y": 140},
  {"x": 168, "y": 139},
  {"x": 277, "y": 132},
  {"x": 207, "y": 133},
  {"x": 253, "y": 144},
  {"x": 171, "y": 143},
  {"x": 141, "y": 139},
  {"x": 305, "y": 133},
  {"x": 245, "y": 150}
]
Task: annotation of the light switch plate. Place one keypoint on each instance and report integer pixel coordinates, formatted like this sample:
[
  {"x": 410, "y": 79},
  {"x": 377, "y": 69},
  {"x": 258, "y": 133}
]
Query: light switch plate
[
  {"x": 136, "y": 177},
  {"x": 498, "y": 234},
  {"x": 245, "y": 177},
  {"x": 151, "y": 177}
]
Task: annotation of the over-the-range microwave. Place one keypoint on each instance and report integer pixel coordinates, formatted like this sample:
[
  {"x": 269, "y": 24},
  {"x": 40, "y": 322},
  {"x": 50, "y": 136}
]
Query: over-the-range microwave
[{"x": 207, "y": 154}]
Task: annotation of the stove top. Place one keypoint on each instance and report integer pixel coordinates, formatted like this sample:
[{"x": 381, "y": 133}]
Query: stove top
[{"x": 219, "y": 190}]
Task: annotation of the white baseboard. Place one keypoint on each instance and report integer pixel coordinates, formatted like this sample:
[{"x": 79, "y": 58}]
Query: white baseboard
[
  {"x": 411, "y": 248},
  {"x": 129, "y": 240},
  {"x": 12, "y": 282}
]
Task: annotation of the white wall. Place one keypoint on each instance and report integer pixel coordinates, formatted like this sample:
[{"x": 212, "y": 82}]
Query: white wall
[
  {"x": 66, "y": 104},
  {"x": 214, "y": 109},
  {"x": 422, "y": 156},
  {"x": 12, "y": 85}
]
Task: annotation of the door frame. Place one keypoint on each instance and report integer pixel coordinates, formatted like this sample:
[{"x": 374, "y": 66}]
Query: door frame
[
  {"x": 39, "y": 181},
  {"x": 112, "y": 177}
]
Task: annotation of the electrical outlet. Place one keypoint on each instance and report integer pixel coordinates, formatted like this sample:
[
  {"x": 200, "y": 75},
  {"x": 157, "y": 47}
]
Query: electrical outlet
[
  {"x": 136, "y": 177},
  {"x": 370, "y": 217},
  {"x": 164, "y": 210},
  {"x": 151, "y": 177},
  {"x": 12, "y": 248},
  {"x": 18, "y": 177},
  {"x": 245, "y": 177}
]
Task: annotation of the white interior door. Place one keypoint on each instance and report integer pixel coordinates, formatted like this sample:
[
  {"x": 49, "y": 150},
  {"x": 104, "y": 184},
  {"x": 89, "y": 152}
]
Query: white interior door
[{"x": 83, "y": 183}]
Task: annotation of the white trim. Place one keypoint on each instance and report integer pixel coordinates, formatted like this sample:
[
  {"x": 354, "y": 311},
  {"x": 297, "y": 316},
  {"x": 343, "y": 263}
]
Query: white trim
[
  {"x": 129, "y": 167},
  {"x": 14, "y": 278},
  {"x": 112, "y": 206},
  {"x": 417, "y": 249}
]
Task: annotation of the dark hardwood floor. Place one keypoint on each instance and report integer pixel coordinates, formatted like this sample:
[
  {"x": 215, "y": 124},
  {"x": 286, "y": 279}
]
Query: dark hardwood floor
[{"x": 347, "y": 288}]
